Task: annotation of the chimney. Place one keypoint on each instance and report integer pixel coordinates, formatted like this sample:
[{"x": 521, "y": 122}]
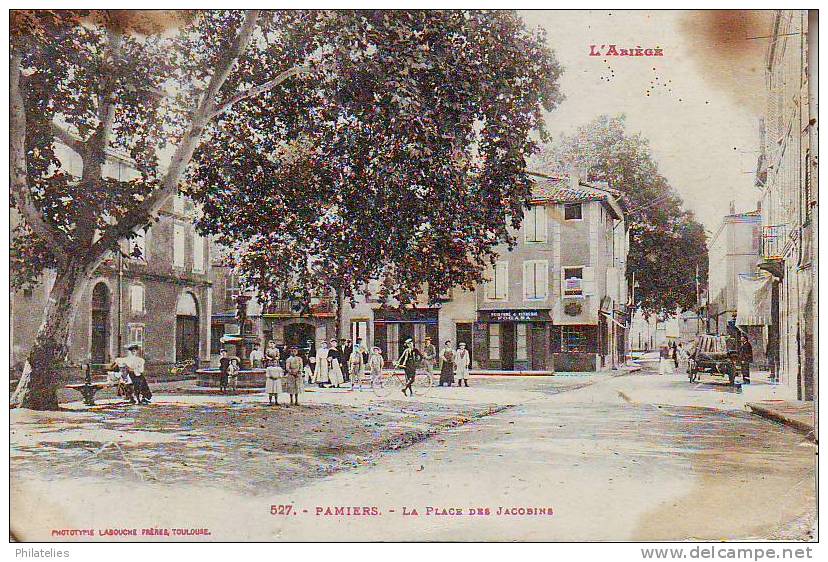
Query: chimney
[{"x": 576, "y": 173}]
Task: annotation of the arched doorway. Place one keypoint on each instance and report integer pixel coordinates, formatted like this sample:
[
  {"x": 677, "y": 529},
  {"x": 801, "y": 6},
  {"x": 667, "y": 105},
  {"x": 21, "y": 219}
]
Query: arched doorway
[
  {"x": 186, "y": 329},
  {"x": 99, "y": 342},
  {"x": 298, "y": 334}
]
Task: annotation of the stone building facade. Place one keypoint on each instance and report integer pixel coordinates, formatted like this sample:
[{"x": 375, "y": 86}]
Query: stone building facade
[
  {"x": 158, "y": 296},
  {"x": 555, "y": 302},
  {"x": 787, "y": 177}
]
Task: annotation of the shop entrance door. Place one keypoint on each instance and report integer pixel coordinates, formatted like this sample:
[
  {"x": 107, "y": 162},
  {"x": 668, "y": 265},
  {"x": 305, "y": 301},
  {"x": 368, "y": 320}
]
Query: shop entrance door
[
  {"x": 507, "y": 346},
  {"x": 537, "y": 350}
]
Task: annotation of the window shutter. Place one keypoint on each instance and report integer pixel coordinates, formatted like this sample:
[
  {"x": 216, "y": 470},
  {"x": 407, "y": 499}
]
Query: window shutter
[
  {"x": 541, "y": 224},
  {"x": 502, "y": 279},
  {"x": 589, "y": 281},
  {"x": 542, "y": 279},
  {"x": 528, "y": 279}
]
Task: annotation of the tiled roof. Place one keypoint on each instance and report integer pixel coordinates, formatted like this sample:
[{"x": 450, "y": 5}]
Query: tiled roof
[{"x": 559, "y": 190}]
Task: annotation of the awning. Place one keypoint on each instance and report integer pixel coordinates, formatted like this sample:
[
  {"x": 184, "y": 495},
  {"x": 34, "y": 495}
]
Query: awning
[{"x": 753, "y": 306}]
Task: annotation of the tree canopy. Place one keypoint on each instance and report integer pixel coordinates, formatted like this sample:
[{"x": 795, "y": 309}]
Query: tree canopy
[
  {"x": 398, "y": 157},
  {"x": 667, "y": 244}
]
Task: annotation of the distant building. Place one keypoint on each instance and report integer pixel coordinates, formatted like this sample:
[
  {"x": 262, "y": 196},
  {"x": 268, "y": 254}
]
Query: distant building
[
  {"x": 733, "y": 254},
  {"x": 161, "y": 300},
  {"x": 787, "y": 175}
]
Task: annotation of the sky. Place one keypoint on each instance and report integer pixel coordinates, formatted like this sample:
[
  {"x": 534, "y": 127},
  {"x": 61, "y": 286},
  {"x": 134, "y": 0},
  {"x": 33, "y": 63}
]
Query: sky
[{"x": 703, "y": 132}]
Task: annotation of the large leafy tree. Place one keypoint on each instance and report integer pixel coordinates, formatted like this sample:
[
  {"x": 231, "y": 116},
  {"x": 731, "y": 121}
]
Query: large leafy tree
[
  {"x": 396, "y": 162},
  {"x": 148, "y": 84},
  {"x": 668, "y": 247}
]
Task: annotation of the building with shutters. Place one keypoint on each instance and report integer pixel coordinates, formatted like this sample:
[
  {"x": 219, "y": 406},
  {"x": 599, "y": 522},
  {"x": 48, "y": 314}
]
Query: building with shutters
[
  {"x": 555, "y": 302},
  {"x": 787, "y": 177},
  {"x": 156, "y": 292}
]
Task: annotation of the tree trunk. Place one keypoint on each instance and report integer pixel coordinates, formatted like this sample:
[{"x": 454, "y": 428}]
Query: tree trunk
[
  {"x": 43, "y": 373},
  {"x": 339, "y": 299}
]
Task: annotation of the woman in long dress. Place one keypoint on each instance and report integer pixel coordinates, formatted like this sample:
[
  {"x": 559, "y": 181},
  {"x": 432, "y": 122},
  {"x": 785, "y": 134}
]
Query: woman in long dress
[
  {"x": 665, "y": 362},
  {"x": 463, "y": 361},
  {"x": 320, "y": 372},
  {"x": 334, "y": 365},
  {"x": 447, "y": 365}
]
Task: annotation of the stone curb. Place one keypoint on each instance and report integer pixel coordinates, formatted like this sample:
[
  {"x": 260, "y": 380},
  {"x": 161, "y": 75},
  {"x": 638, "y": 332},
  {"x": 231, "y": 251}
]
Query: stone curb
[{"x": 784, "y": 419}]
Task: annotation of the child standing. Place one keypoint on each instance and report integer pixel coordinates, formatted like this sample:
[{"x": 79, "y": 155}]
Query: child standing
[
  {"x": 233, "y": 375},
  {"x": 273, "y": 384},
  {"x": 356, "y": 367},
  {"x": 294, "y": 381},
  {"x": 375, "y": 364}
]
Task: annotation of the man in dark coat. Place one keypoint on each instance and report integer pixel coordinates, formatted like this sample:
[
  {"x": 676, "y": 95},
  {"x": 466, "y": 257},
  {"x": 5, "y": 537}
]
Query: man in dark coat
[
  {"x": 745, "y": 357},
  {"x": 347, "y": 349},
  {"x": 408, "y": 361}
]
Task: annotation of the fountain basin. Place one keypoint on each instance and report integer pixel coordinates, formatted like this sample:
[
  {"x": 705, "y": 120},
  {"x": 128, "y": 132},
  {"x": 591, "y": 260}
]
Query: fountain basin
[{"x": 248, "y": 378}]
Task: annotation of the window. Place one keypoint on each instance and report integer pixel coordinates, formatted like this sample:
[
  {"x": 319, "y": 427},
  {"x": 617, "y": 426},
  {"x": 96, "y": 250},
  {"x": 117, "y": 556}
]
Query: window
[
  {"x": 198, "y": 252},
  {"x": 498, "y": 287},
  {"x": 573, "y": 281},
  {"x": 535, "y": 280},
  {"x": 521, "y": 351},
  {"x": 138, "y": 245},
  {"x": 179, "y": 245},
  {"x": 136, "y": 298},
  {"x": 573, "y": 211},
  {"x": 535, "y": 224},
  {"x": 231, "y": 289},
  {"x": 573, "y": 339},
  {"x": 135, "y": 334},
  {"x": 359, "y": 329},
  {"x": 494, "y": 341}
]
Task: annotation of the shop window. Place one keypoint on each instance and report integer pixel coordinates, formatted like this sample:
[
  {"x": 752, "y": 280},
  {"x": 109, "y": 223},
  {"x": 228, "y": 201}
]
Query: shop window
[
  {"x": 359, "y": 329},
  {"x": 393, "y": 351},
  {"x": 535, "y": 224},
  {"x": 573, "y": 339},
  {"x": 573, "y": 211},
  {"x": 521, "y": 349},
  {"x": 494, "y": 342}
]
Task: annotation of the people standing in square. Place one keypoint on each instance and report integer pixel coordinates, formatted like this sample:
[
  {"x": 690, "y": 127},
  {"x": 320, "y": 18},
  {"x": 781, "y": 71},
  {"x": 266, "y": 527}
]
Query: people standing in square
[
  {"x": 447, "y": 356},
  {"x": 294, "y": 376},
  {"x": 462, "y": 369}
]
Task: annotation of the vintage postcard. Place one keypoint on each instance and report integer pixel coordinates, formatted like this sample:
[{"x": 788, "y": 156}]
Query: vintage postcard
[{"x": 462, "y": 275}]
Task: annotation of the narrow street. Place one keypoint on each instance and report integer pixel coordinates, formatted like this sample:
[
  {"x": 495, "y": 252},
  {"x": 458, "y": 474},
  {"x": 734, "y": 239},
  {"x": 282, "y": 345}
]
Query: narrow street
[{"x": 636, "y": 457}]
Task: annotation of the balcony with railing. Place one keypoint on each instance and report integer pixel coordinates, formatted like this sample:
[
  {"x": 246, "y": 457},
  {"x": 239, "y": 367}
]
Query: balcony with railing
[
  {"x": 774, "y": 240},
  {"x": 289, "y": 308}
]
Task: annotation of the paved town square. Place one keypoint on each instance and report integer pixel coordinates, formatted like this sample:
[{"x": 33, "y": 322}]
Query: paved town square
[{"x": 612, "y": 456}]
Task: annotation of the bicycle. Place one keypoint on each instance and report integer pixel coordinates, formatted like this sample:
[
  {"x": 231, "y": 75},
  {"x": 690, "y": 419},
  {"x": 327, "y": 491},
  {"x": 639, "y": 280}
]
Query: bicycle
[{"x": 394, "y": 381}]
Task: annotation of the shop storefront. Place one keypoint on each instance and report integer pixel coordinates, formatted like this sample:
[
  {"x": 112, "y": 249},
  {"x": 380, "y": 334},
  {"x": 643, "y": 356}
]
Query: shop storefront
[
  {"x": 392, "y": 326},
  {"x": 513, "y": 340}
]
